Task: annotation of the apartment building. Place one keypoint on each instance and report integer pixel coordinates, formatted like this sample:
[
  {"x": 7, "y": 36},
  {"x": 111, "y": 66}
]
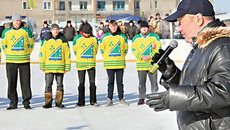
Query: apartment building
[{"x": 58, "y": 11}]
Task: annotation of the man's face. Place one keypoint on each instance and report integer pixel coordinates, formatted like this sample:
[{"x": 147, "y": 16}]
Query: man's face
[
  {"x": 113, "y": 28},
  {"x": 188, "y": 27},
  {"x": 17, "y": 24},
  {"x": 55, "y": 31},
  {"x": 86, "y": 34},
  {"x": 144, "y": 30},
  {"x": 130, "y": 24}
]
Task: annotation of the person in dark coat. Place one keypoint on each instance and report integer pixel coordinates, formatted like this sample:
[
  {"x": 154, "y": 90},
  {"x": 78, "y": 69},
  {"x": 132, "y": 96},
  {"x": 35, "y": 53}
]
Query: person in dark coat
[
  {"x": 200, "y": 93},
  {"x": 106, "y": 27},
  {"x": 69, "y": 31},
  {"x": 45, "y": 30},
  {"x": 131, "y": 30},
  {"x": 84, "y": 21}
]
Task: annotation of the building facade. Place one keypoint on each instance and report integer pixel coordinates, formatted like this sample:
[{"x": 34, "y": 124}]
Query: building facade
[{"x": 59, "y": 11}]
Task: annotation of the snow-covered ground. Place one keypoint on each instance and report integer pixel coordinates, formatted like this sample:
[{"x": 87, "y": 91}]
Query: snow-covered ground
[{"x": 117, "y": 117}]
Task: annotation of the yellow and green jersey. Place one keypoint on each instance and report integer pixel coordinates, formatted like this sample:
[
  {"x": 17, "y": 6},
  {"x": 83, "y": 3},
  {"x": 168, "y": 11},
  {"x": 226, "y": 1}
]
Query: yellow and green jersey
[
  {"x": 114, "y": 48},
  {"x": 85, "y": 50},
  {"x": 17, "y": 45},
  {"x": 144, "y": 46},
  {"x": 55, "y": 56},
  {"x": 0, "y": 53}
]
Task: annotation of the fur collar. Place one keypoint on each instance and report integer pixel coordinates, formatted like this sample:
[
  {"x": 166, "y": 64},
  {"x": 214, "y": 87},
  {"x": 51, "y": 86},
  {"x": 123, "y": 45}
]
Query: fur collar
[{"x": 210, "y": 34}]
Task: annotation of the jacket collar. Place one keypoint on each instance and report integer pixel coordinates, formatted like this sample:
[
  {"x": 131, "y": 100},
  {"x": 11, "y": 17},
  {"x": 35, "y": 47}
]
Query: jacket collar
[{"x": 213, "y": 30}]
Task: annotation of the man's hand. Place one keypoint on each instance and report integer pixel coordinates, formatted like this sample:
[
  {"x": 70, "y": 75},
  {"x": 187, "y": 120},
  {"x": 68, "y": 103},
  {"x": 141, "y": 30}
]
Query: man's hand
[
  {"x": 146, "y": 58},
  {"x": 167, "y": 67},
  {"x": 158, "y": 101},
  {"x": 164, "y": 83},
  {"x": 66, "y": 70},
  {"x": 42, "y": 70}
]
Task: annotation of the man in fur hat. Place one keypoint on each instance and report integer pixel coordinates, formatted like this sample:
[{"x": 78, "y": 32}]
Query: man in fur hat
[
  {"x": 17, "y": 44},
  {"x": 200, "y": 92}
]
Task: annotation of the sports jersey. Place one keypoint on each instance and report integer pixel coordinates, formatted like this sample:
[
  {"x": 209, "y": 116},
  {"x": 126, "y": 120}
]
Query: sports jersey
[
  {"x": 144, "y": 46},
  {"x": 55, "y": 55},
  {"x": 85, "y": 50},
  {"x": 17, "y": 44},
  {"x": 114, "y": 48}
]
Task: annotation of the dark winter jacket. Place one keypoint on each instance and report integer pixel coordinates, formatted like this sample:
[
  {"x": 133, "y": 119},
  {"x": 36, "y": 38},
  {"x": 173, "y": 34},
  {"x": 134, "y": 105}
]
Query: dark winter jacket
[
  {"x": 131, "y": 31},
  {"x": 69, "y": 33},
  {"x": 59, "y": 36},
  {"x": 44, "y": 32},
  {"x": 201, "y": 91}
]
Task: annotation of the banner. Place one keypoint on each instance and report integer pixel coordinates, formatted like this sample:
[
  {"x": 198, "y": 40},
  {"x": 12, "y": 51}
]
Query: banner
[{"x": 32, "y": 4}]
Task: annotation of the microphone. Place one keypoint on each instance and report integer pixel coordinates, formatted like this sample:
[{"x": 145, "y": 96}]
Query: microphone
[{"x": 173, "y": 44}]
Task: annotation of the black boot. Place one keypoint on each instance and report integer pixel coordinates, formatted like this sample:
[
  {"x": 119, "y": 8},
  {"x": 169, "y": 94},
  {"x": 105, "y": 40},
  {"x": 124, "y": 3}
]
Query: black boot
[
  {"x": 11, "y": 107},
  {"x": 81, "y": 96},
  {"x": 93, "y": 99},
  {"x": 48, "y": 100}
]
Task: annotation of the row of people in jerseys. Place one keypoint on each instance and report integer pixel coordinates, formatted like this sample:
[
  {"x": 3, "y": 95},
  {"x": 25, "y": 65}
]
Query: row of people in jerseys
[{"x": 55, "y": 60}]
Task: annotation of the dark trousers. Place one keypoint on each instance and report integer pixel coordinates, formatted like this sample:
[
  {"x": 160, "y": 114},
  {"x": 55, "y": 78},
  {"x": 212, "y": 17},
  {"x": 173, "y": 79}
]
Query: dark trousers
[
  {"x": 12, "y": 76},
  {"x": 49, "y": 78},
  {"x": 119, "y": 80},
  {"x": 81, "y": 87}
]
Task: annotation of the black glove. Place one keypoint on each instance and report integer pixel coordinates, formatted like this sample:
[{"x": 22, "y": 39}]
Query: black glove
[
  {"x": 158, "y": 101},
  {"x": 166, "y": 67},
  {"x": 164, "y": 83}
]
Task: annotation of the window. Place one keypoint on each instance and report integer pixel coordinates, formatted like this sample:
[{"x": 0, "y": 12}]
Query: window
[
  {"x": 83, "y": 5},
  {"x": 118, "y": 5},
  {"x": 47, "y": 5},
  {"x": 156, "y": 4},
  {"x": 137, "y": 5},
  {"x": 70, "y": 5},
  {"x": 61, "y": 5},
  {"x": 24, "y": 5},
  {"x": 100, "y": 5}
]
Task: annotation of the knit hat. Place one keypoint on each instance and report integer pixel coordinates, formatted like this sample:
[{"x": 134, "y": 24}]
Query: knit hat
[
  {"x": 87, "y": 29},
  {"x": 16, "y": 17},
  {"x": 54, "y": 26},
  {"x": 144, "y": 24}
]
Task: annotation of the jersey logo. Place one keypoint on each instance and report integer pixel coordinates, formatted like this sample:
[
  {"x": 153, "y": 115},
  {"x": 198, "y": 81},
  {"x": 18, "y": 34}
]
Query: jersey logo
[
  {"x": 88, "y": 53},
  {"x": 116, "y": 51},
  {"x": 147, "y": 50},
  {"x": 56, "y": 55},
  {"x": 18, "y": 45}
]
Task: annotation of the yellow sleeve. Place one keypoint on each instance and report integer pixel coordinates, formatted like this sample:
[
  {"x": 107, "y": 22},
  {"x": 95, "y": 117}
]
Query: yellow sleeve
[
  {"x": 67, "y": 57},
  {"x": 42, "y": 56},
  {"x": 0, "y": 53},
  {"x": 3, "y": 45},
  {"x": 102, "y": 48},
  {"x": 31, "y": 45},
  {"x": 96, "y": 46}
]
